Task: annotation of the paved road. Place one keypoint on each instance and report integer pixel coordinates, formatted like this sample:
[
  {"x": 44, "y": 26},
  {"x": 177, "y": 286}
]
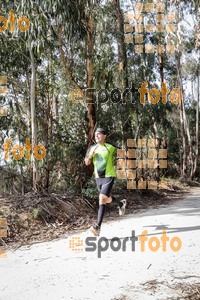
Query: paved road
[{"x": 54, "y": 271}]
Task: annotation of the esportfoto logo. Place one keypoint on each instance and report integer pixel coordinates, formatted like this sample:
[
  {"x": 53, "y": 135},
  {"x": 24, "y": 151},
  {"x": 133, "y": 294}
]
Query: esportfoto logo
[
  {"x": 116, "y": 244},
  {"x": 3, "y": 92},
  {"x": 23, "y": 22},
  {"x": 3, "y": 234},
  {"x": 150, "y": 20},
  {"x": 153, "y": 95},
  {"x": 140, "y": 163}
]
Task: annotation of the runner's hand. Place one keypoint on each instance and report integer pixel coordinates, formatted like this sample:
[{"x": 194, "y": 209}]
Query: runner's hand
[{"x": 93, "y": 153}]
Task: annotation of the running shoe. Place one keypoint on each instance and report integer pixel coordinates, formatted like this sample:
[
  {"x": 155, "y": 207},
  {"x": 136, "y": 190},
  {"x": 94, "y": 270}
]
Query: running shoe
[
  {"x": 95, "y": 229},
  {"x": 122, "y": 209}
]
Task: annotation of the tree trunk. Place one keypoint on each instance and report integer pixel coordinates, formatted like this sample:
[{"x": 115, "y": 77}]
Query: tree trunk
[
  {"x": 46, "y": 186},
  {"x": 161, "y": 67},
  {"x": 187, "y": 162},
  {"x": 56, "y": 108},
  {"x": 33, "y": 116},
  {"x": 91, "y": 111},
  {"x": 196, "y": 146},
  {"x": 122, "y": 67},
  {"x": 122, "y": 58},
  {"x": 183, "y": 159}
]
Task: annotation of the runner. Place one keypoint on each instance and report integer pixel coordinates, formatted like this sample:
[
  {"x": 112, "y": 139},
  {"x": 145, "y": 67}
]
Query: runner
[{"x": 102, "y": 155}]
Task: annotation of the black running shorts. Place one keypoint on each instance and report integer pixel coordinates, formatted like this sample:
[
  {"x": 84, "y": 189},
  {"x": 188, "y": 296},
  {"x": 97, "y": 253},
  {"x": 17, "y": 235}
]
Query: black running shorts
[{"x": 105, "y": 185}]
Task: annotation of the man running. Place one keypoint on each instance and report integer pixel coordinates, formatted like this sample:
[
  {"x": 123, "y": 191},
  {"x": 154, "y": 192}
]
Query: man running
[{"x": 102, "y": 155}]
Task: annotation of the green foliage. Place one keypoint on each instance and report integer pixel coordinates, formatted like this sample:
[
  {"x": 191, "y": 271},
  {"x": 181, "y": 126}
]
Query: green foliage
[
  {"x": 62, "y": 125},
  {"x": 37, "y": 213},
  {"x": 90, "y": 192}
]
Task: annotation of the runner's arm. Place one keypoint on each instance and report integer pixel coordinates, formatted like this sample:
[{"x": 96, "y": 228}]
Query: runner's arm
[
  {"x": 88, "y": 161},
  {"x": 89, "y": 155}
]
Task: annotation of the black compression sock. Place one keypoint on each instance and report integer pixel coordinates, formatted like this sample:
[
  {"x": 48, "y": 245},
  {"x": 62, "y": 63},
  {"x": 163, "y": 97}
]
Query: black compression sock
[
  {"x": 115, "y": 201},
  {"x": 101, "y": 212}
]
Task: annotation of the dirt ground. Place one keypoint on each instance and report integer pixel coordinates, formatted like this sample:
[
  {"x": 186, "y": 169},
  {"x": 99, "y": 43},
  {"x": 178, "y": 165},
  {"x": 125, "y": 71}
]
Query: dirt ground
[{"x": 44, "y": 217}]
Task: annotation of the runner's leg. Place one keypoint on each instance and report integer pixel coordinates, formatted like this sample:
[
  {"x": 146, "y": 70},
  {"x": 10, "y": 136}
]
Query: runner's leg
[
  {"x": 101, "y": 212},
  {"x": 102, "y": 207},
  {"x": 106, "y": 186},
  {"x": 115, "y": 201}
]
